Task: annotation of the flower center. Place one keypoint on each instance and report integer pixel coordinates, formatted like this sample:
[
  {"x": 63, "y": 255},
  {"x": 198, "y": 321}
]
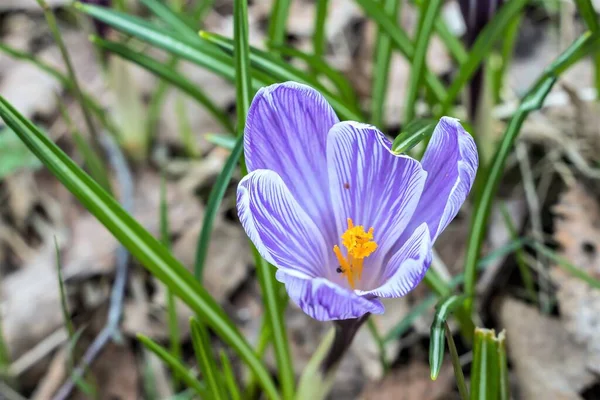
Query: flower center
[{"x": 359, "y": 245}]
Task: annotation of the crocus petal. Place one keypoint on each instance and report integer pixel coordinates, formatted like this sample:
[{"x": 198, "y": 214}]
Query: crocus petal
[
  {"x": 370, "y": 184},
  {"x": 279, "y": 228},
  {"x": 286, "y": 131},
  {"x": 407, "y": 267},
  {"x": 325, "y": 301},
  {"x": 451, "y": 163}
]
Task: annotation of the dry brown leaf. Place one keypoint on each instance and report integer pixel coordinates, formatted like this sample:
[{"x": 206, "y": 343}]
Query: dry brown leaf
[
  {"x": 548, "y": 363},
  {"x": 577, "y": 231}
]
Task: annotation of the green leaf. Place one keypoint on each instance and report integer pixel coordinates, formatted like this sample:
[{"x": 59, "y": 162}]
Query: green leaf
[
  {"x": 152, "y": 254},
  {"x": 319, "y": 38},
  {"x": 282, "y": 71},
  {"x": 414, "y": 133},
  {"x": 196, "y": 51},
  {"x": 206, "y": 359},
  {"x": 485, "y": 373},
  {"x": 533, "y": 100},
  {"x": 402, "y": 42},
  {"x": 169, "y": 17},
  {"x": 456, "y": 364},
  {"x": 168, "y": 74},
  {"x": 381, "y": 62},
  {"x": 427, "y": 16},
  {"x": 278, "y": 21},
  {"x": 229, "y": 377},
  {"x": 436, "y": 343},
  {"x": 482, "y": 47},
  {"x": 176, "y": 366}
]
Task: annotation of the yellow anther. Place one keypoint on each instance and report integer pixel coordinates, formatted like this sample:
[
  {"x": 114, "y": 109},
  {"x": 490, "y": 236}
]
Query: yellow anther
[{"x": 359, "y": 245}]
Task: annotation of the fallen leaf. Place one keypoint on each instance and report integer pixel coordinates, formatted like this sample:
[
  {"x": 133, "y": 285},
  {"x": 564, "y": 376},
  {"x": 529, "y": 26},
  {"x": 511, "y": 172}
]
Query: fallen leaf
[
  {"x": 548, "y": 363},
  {"x": 577, "y": 231}
]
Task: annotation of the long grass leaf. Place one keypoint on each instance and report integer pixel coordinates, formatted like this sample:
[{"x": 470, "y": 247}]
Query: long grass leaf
[
  {"x": 206, "y": 359},
  {"x": 229, "y": 377},
  {"x": 141, "y": 244},
  {"x": 428, "y": 13},
  {"x": 176, "y": 366},
  {"x": 278, "y": 22},
  {"x": 319, "y": 38},
  {"x": 381, "y": 69}
]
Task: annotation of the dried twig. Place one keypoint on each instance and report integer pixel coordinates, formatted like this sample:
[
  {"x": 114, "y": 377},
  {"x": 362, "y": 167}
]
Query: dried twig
[{"x": 111, "y": 329}]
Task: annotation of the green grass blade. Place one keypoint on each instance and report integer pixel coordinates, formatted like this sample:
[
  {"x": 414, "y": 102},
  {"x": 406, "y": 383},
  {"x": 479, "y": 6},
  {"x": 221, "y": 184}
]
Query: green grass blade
[
  {"x": 504, "y": 379},
  {"x": 152, "y": 254},
  {"x": 427, "y": 16},
  {"x": 281, "y": 71},
  {"x": 456, "y": 365},
  {"x": 414, "y": 133},
  {"x": 168, "y": 74},
  {"x": 381, "y": 62},
  {"x": 319, "y": 35},
  {"x": 265, "y": 272},
  {"x": 212, "y": 207},
  {"x": 169, "y": 17},
  {"x": 587, "y": 11},
  {"x": 229, "y": 377},
  {"x": 533, "y": 100},
  {"x": 277, "y": 26},
  {"x": 176, "y": 366},
  {"x": 482, "y": 47},
  {"x": 401, "y": 40},
  {"x": 195, "y": 51},
  {"x": 453, "y": 44},
  {"x": 506, "y": 52},
  {"x": 206, "y": 359},
  {"x": 436, "y": 343},
  {"x": 485, "y": 373},
  {"x": 241, "y": 58}
]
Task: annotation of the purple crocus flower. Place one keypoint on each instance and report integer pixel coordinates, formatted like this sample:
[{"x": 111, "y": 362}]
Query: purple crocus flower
[{"x": 345, "y": 220}]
